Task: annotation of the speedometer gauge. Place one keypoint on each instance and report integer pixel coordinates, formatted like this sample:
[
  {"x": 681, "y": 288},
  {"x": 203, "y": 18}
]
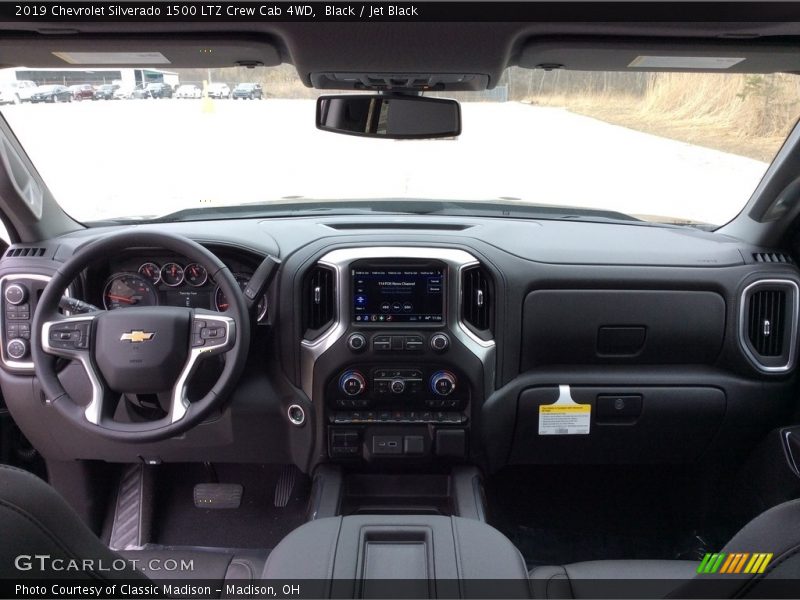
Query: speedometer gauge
[
  {"x": 172, "y": 274},
  {"x": 128, "y": 289}
]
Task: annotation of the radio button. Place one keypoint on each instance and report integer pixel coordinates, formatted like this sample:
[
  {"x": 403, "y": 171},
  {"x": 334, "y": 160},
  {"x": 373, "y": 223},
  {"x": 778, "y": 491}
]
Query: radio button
[{"x": 440, "y": 342}]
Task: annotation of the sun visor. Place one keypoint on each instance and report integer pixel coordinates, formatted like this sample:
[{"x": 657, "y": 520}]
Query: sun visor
[
  {"x": 589, "y": 54},
  {"x": 75, "y": 52}
]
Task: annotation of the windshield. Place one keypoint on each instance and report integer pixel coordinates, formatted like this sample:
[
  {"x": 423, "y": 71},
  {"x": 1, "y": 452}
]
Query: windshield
[{"x": 662, "y": 147}]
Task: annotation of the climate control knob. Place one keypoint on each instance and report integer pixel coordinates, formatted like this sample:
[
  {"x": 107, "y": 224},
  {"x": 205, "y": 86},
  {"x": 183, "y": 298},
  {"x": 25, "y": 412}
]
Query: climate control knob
[
  {"x": 398, "y": 386},
  {"x": 443, "y": 383},
  {"x": 352, "y": 383}
]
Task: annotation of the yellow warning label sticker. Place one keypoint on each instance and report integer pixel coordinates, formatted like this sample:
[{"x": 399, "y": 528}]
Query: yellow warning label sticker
[{"x": 565, "y": 416}]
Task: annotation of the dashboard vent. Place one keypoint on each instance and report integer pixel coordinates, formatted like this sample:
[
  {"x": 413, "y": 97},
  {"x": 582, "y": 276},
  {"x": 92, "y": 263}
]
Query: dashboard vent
[
  {"x": 772, "y": 257},
  {"x": 769, "y": 323},
  {"x": 318, "y": 300},
  {"x": 476, "y": 299},
  {"x": 23, "y": 251},
  {"x": 766, "y": 321}
]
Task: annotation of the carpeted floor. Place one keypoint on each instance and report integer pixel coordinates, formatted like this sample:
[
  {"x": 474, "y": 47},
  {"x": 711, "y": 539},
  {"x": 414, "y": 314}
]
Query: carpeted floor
[{"x": 257, "y": 523}]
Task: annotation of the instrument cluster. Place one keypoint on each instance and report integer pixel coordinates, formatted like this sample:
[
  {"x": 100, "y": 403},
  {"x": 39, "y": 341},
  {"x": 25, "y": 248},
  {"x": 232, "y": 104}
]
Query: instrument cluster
[{"x": 171, "y": 283}]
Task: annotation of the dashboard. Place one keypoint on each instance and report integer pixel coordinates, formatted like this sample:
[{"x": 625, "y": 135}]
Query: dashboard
[{"x": 433, "y": 340}]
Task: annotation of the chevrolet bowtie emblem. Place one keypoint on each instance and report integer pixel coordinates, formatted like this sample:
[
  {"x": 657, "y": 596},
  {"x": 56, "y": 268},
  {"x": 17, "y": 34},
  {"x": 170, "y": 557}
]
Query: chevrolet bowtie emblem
[{"x": 137, "y": 336}]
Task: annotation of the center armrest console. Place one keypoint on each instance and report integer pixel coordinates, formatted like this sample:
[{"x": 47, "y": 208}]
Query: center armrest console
[{"x": 400, "y": 556}]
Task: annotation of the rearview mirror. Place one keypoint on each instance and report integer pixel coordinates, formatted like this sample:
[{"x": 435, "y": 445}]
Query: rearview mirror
[{"x": 391, "y": 116}]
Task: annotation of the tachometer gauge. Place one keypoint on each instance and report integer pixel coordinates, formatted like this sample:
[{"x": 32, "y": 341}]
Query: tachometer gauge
[
  {"x": 195, "y": 274},
  {"x": 222, "y": 304},
  {"x": 172, "y": 274},
  {"x": 151, "y": 272},
  {"x": 128, "y": 289}
]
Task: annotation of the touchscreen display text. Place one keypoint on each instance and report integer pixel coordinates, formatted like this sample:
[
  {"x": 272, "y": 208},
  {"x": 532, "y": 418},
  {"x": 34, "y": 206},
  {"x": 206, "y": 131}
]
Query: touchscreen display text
[{"x": 398, "y": 295}]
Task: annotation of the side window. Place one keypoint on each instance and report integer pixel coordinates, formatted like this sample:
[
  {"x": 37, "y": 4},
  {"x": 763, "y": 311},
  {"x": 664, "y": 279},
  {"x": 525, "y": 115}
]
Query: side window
[{"x": 4, "y": 235}]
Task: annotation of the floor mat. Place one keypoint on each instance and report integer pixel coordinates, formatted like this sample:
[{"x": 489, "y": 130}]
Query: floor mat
[
  {"x": 559, "y": 515},
  {"x": 257, "y": 523}
]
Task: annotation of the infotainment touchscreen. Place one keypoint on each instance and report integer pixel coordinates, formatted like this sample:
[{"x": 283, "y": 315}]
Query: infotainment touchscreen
[{"x": 398, "y": 295}]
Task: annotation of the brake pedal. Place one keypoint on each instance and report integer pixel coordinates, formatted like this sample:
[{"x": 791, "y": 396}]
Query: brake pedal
[
  {"x": 285, "y": 485},
  {"x": 218, "y": 495}
]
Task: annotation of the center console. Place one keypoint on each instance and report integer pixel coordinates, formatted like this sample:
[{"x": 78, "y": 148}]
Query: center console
[
  {"x": 397, "y": 372},
  {"x": 399, "y": 557}
]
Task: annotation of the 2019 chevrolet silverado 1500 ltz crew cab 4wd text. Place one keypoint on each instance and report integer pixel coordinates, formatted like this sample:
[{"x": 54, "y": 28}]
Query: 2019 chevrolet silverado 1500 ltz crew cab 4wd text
[{"x": 462, "y": 308}]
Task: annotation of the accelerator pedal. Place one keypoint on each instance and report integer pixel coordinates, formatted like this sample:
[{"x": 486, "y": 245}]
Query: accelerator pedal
[
  {"x": 218, "y": 495},
  {"x": 285, "y": 485}
]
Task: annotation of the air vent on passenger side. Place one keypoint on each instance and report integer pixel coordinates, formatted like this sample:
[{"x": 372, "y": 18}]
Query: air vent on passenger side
[
  {"x": 772, "y": 257},
  {"x": 319, "y": 303},
  {"x": 768, "y": 322},
  {"x": 476, "y": 300},
  {"x": 23, "y": 251}
]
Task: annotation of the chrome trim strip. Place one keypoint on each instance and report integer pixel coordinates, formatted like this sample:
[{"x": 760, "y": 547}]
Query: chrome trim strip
[
  {"x": 340, "y": 260},
  {"x": 795, "y": 291},
  {"x": 179, "y": 403},
  {"x": 95, "y": 406}
]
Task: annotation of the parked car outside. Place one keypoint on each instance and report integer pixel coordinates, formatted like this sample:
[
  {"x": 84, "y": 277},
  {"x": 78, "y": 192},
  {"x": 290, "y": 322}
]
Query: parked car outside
[
  {"x": 124, "y": 92},
  {"x": 51, "y": 93},
  {"x": 249, "y": 91},
  {"x": 219, "y": 90},
  {"x": 105, "y": 92},
  {"x": 159, "y": 90},
  {"x": 82, "y": 91},
  {"x": 189, "y": 91},
  {"x": 17, "y": 92},
  {"x": 140, "y": 92}
]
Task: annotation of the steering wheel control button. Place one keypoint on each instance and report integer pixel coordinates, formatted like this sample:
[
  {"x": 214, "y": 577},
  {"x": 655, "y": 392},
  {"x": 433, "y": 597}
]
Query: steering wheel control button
[
  {"x": 197, "y": 338},
  {"x": 356, "y": 342},
  {"x": 17, "y": 349},
  {"x": 352, "y": 383},
  {"x": 440, "y": 342},
  {"x": 15, "y": 294},
  {"x": 69, "y": 336},
  {"x": 443, "y": 383},
  {"x": 296, "y": 414},
  {"x": 212, "y": 332}
]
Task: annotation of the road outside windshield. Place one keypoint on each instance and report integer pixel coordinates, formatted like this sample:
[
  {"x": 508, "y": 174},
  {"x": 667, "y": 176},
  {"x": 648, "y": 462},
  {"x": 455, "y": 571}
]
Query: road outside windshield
[{"x": 680, "y": 148}]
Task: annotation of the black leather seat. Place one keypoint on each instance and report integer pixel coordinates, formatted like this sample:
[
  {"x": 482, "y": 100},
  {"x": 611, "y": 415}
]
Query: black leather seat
[
  {"x": 36, "y": 521},
  {"x": 775, "y": 531}
]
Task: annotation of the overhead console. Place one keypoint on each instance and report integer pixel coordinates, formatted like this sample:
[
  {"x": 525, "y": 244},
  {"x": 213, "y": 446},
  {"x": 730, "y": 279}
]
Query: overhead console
[{"x": 391, "y": 359}]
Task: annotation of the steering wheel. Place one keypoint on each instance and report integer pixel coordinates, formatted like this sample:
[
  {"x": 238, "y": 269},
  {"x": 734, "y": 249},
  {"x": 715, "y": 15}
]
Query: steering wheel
[{"x": 139, "y": 350}]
